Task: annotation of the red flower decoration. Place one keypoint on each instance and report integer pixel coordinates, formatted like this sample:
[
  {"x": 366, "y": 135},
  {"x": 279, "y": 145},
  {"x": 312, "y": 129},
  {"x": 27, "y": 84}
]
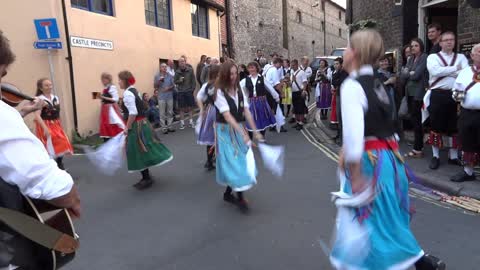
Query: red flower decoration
[{"x": 131, "y": 80}]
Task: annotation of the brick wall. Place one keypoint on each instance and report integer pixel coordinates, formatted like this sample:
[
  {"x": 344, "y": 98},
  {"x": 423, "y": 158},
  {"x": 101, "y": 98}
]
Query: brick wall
[{"x": 223, "y": 23}]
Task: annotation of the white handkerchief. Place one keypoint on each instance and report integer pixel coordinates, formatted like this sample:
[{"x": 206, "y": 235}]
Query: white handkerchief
[
  {"x": 110, "y": 157},
  {"x": 198, "y": 125},
  {"x": 279, "y": 118},
  {"x": 251, "y": 167},
  {"x": 273, "y": 158}
]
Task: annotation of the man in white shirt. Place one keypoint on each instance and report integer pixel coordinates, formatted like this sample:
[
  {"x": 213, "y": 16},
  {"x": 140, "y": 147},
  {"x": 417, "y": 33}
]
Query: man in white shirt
[
  {"x": 308, "y": 73},
  {"x": 274, "y": 78},
  {"x": 269, "y": 65},
  {"x": 26, "y": 169},
  {"x": 468, "y": 85},
  {"x": 299, "y": 83},
  {"x": 443, "y": 68}
]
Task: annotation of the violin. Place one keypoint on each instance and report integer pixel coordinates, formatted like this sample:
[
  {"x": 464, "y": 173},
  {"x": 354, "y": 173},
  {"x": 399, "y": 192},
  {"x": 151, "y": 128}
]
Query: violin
[{"x": 12, "y": 95}]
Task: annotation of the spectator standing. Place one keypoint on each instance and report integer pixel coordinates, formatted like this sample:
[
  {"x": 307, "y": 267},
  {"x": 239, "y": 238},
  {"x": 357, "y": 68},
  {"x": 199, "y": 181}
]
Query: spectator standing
[
  {"x": 339, "y": 75},
  {"x": 434, "y": 35},
  {"x": 287, "y": 90},
  {"x": 443, "y": 68},
  {"x": 165, "y": 100},
  {"x": 259, "y": 56},
  {"x": 468, "y": 83},
  {"x": 388, "y": 79},
  {"x": 323, "y": 91},
  {"x": 171, "y": 71},
  {"x": 185, "y": 81},
  {"x": 299, "y": 83},
  {"x": 414, "y": 75},
  {"x": 243, "y": 72},
  {"x": 205, "y": 71},
  {"x": 308, "y": 72},
  {"x": 204, "y": 61}
]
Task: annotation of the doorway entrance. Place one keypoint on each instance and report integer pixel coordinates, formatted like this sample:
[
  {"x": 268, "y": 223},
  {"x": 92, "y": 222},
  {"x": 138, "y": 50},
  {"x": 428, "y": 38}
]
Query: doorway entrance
[{"x": 443, "y": 12}]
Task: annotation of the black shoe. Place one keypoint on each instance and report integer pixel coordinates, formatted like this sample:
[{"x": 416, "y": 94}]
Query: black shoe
[
  {"x": 429, "y": 262},
  {"x": 171, "y": 130},
  {"x": 462, "y": 177},
  {"x": 228, "y": 197},
  {"x": 455, "y": 162},
  {"x": 272, "y": 129},
  {"x": 165, "y": 131},
  {"x": 299, "y": 127},
  {"x": 243, "y": 205},
  {"x": 211, "y": 167},
  {"x": 143, "y": 184},
  {"x": 434, "y": 164},
  {"x": 282, "y": 129},
  {"x": 292, "y": 121},
  {"x": 206, "y": 165}
]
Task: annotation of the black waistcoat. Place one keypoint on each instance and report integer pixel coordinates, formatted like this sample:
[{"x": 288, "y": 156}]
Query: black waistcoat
[
  {"x": 260, "y": 87},
  {"x": 378, "y": 118},
  {"x": 236, "y": 112},
  {"x": 51, "y": 111},
  {"x": 138, "y": 103},
  {"x": 105, "y": 93},
  {"x": 209, "y": 95}
]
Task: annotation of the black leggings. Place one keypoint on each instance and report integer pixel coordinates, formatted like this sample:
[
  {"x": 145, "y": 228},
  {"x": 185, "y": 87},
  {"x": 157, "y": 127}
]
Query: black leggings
[
  {"x": 289, "y": 108},
  {"x": 415, "y": 111},
  {"x": 146, "y": 174},
  {"x": 210, "y": 153},
  {"x": 239, "y": 194}
]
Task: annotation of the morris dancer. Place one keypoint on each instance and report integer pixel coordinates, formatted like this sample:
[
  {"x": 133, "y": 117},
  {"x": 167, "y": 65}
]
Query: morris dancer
[
  {"x": 443, "y": 68},
  {"x": 257, "y": 88},
  {"x": 299, "y": 82},
  {"x": 48, "y": 126},
  {"x": 205, "y": 101},
  {"x": 233, "y": 141},
  {"x": 143, "y": 149},
  {"x": 371, "y": 158},
  {"x": 468, "y": 84},
  {"x": 323, "y": 91},
  {"x": 111, "y": 123}
]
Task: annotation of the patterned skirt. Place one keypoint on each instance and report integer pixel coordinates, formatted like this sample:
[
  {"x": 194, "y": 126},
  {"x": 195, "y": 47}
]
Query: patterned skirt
[
  {"x": 387, "y": 218},
  {"x": 262, "y": 113},
  {"x": 143, "y": 149},
  {"x": 58, "y": 144},
  {"x": 111, "y": 123},
  {"x": 287, "y": 100},
  {"x": 232, "y": 159},
  {"x": 206, "y": 135},
  {"x": 324, "y": 95}
]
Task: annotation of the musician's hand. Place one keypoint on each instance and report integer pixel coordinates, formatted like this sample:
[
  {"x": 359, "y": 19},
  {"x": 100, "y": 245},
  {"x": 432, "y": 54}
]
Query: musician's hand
[
  {"x": 75, "y": 210},
  {"x": 35, "y": 105}
]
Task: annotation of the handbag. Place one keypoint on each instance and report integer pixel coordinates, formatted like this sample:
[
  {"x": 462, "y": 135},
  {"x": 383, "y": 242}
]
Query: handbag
[{"x": 403, "y": 110}]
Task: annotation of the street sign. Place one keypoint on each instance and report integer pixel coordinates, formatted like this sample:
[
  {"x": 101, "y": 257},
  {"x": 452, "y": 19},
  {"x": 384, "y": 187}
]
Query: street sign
[
  {"x": 45, "y": 45},
  {"x": 47, "y": 28}
]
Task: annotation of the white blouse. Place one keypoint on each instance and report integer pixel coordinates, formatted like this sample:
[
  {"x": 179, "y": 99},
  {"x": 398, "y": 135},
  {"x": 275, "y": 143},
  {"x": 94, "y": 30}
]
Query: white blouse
[
  {"x": 437, "y": 69},
  {"x": 268, "y": 86},
  {"x": 222, "y": 104},
  {"x": 472, "y": 99},
  {"x": 202, "y": 95},
  {"x": 113, "y": 91},
  {"x": 354, "y": 104},
  {"x": 25, "y": 163},
  {"x": 129, "y": 102}
]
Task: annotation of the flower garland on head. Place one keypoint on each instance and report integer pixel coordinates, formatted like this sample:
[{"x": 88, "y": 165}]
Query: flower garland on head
[{"x": 131, "y": 80}]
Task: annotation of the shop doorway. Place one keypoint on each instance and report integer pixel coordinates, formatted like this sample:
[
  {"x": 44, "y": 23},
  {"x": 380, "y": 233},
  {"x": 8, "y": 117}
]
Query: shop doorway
[{"x": 443, "y": 12}]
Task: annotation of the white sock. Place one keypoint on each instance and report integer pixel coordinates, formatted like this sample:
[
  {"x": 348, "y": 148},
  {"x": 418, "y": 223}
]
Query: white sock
[
  {"x": 191, "y": 120},
  {"x": 436, "y": 152},
  {"x": 182, "y": 122},
  {"x": 468, "y": 170},
  {"x": 453, "y": 153}
]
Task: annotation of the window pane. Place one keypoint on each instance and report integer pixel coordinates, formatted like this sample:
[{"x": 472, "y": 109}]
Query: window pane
[
  {"x": 102, "y": 6},
  {"x": 203, "y": 22},
  {"x": 150, "y": 12},
  {"x": 80, "y": 3},
  {"x": 194, "y": 12},
  {"x": 163, "y": 13}
]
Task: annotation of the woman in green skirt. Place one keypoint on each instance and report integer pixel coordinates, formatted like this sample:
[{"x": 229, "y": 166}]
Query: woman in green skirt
[{"x": 143, "y": 149}]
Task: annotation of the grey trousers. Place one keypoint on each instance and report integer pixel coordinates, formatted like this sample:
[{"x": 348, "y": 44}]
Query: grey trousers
[{"x": 166, "y": 113}]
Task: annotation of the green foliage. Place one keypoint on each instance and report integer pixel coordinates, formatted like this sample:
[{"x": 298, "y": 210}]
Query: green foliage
[{"x": 363, "y": 24}]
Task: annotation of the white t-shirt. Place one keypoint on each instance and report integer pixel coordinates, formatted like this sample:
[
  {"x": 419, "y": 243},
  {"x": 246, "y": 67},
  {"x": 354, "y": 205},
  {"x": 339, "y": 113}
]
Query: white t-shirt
[
  {"x": 472, "y": 99},
  {"x": 222, "y": 104},
  {"x": 24, "y": 161}
]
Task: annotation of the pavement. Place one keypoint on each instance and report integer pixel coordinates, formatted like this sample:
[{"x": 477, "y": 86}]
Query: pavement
[
  {"x": 182, "y": 223},
  {"x": 435, "y": 179}
]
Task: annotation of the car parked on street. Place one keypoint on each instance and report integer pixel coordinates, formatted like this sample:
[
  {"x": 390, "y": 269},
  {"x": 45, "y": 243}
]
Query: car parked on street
[{"x": 338, "y": 52}]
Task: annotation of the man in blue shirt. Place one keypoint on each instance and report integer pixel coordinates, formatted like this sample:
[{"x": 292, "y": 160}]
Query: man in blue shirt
[{"x": 165, "y": 86}]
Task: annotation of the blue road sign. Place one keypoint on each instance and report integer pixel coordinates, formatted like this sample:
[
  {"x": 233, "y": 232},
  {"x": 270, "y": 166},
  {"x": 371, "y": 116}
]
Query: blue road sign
[
  {"x": 47, "y": 28},
  {"x": 45, "y": 45}
]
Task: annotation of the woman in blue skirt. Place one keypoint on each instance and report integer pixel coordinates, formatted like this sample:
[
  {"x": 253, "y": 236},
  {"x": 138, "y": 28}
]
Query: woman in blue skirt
[
  {"x": 232, "y": 141},
  {"x": 205, "y": 100},
  {"x": 256, "y": 88},
  {"x": 371, "y": 159}
]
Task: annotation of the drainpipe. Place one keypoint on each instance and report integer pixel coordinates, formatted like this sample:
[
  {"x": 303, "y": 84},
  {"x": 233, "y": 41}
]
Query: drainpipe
[
  {"x": 229, "y": 31},
  {"x": 219, "y": 18},
  {"x": 70, "y": 66}
]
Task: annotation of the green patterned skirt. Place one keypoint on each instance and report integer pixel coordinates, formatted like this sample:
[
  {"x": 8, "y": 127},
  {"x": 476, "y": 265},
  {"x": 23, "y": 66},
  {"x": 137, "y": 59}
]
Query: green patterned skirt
[{"x": 143, "y": 149}]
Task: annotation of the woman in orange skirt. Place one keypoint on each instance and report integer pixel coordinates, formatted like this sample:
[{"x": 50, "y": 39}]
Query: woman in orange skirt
[
  {"x": 111, "y": 122},
  {"x": 48, "y": 126}
]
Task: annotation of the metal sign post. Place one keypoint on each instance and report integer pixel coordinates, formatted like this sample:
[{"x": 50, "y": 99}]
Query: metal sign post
[
  {"x": 47, "y": 31},
  {"x": 52, "y": 71}
]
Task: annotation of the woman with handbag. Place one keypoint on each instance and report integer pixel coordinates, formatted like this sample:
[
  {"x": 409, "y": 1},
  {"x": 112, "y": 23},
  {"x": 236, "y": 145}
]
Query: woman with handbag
[{"x": 414, "y": 74}]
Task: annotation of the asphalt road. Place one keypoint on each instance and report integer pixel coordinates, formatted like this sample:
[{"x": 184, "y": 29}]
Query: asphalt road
[{"x": 182, "y": 223}]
